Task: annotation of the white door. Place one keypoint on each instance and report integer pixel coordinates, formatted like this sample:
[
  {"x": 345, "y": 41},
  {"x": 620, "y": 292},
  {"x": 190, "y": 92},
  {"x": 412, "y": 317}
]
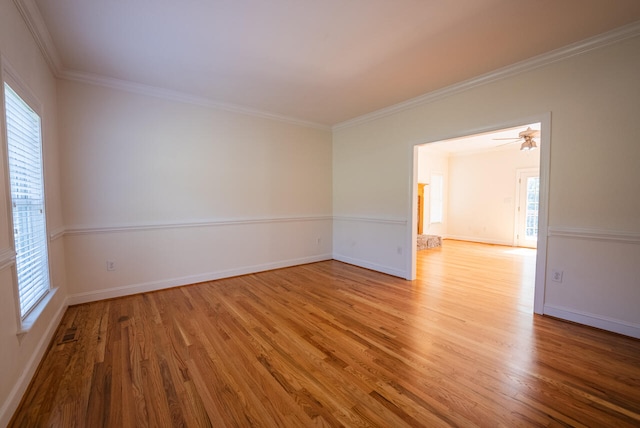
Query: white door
[{"x": 528, "y": 202}]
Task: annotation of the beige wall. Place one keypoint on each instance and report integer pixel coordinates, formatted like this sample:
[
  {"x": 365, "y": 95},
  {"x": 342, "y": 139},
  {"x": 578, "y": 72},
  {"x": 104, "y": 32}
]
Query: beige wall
[
  {"x": 594, "y": 100},
  {"x": 173, "y": 193},
  {"x": 20, "y": 355},
  {"x": 176, "y": 193},
  {"x": 480, "y": 191},
  {"x": 482, "y": 194}
]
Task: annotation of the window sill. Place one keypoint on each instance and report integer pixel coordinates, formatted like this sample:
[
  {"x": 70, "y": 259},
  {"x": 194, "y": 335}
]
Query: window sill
[{"x": 27, "y": 323}]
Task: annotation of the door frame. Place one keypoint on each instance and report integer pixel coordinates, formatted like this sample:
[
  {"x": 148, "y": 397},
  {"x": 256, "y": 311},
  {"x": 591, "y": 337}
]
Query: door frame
[{"x": 545, "y": 156}]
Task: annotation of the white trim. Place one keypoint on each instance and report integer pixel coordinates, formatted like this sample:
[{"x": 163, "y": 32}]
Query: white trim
[
  {"x": 364, "y": 263},
  {"x": 581, "y": 47},
  {"x": 182, "y": 97},
  {"x": 33, "y": 18},
  {"x": 593, "y": 320},
  {"x": 27, "y": 323},
  {"x": 20, "y": 387},
  {"x": 7, "y": 258},
  {"x": 13, "y": 79},
  {"x": 133, "y": 227},
  {"x": 145, "y": 287},
  {"x": 57, "y": 233},
  {"x": 380, "y": 220},
  {"x": 368, "y": 265},
  {"x": 36, "y": 25},
  {"x": 543, "y": 214},
  {"x": 543, "y": 211},
  {"x": 411, "y": 238},
  {"x": 34, "y": 21},
  {"x": 594, "y": 234},
  {"x": 9, "y": 76}
]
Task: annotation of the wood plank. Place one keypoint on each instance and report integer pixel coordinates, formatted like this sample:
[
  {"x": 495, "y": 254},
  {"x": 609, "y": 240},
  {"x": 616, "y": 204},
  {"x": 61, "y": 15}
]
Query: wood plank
[{"x": 329, "y": 344}]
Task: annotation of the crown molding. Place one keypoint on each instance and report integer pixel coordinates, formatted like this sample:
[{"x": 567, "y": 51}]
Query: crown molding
[
  {"x": 34, "y": 21},
  {"x": 578, "y": 48},
  {"x": 33, "y": 18},
  {"x": 182, "y": 97},
  {"x": 36, "y": 25}
]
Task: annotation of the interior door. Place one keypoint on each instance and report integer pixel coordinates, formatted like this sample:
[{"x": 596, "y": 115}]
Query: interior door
[{"x": 528, "y": 203}]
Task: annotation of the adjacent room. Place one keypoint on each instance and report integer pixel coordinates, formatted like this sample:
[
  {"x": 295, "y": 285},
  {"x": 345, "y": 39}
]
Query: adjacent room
[
  {"x": 273, "y": 213},
  {"x": 481, "y": 188}
]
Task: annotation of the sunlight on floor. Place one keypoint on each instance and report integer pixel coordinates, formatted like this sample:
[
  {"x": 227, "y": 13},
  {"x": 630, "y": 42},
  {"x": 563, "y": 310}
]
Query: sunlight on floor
[
  {"x": 510, "y": 271},
  {"x": 521, "y": 251}
]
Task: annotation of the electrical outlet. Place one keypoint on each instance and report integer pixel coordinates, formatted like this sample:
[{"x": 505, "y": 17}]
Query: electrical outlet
[
  {"x": 556, "y": 275},
  {"x": 111, "y": 265}
]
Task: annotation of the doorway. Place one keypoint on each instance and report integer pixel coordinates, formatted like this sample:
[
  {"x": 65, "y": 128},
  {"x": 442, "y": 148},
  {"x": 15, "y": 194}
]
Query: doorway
[{"x": 544, "y": 122}]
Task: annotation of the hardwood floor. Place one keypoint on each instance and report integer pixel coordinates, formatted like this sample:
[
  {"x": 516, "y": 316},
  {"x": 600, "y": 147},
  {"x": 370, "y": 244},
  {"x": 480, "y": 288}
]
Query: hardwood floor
[{"x": 329, "y": 344}]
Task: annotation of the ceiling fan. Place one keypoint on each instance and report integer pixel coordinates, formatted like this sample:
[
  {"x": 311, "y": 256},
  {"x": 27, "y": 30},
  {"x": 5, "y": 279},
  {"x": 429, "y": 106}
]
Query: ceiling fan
[{"x": 527, "y": 136}]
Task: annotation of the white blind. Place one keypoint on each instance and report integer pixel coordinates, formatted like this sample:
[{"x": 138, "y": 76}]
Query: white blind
[{"x": 27, "y": 200}]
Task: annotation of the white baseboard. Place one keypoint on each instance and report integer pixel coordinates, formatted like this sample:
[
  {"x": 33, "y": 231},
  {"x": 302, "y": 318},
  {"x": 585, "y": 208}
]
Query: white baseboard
[
  {"x": 17, "y": 392},
  {"x": 592, "y": 320},
  {"x": 126, "y": 290},
  {"x": 15, "y": 396},
  {"x": 368, "y": 265},
  {"x": 481, "y": 240}
]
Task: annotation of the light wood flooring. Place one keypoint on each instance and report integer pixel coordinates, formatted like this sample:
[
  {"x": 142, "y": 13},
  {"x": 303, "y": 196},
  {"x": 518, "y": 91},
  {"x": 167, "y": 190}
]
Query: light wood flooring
[{"x": 329, "y": 344}]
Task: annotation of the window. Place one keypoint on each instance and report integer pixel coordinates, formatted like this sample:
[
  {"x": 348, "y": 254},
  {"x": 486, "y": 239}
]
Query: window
[
  {"x": 27, "y": 200},
  {"x": 436, "y": 198}
]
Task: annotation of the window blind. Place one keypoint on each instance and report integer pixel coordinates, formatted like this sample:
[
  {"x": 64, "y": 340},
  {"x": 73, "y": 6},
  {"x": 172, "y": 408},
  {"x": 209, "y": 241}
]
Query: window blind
[{"x": 27, "y": 200}]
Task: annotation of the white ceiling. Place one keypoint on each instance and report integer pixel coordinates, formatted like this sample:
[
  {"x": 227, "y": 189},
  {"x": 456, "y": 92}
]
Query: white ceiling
[
  {"x": 323, "y": 61},
  {"x": 503, "y": 139}
]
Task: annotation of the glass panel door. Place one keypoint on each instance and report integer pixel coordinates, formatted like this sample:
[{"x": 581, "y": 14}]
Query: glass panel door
[{"x": 528, "y": 204}]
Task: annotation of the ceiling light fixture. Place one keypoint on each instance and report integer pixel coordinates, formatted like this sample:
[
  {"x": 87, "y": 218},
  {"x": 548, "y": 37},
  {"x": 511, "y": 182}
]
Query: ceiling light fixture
[
  {"x": 528, "y": 144},
  {"x": 526, "y": 136}
]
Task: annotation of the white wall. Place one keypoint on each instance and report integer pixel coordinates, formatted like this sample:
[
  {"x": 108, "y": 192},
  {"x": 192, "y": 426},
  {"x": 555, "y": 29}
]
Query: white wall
[
  {"x": 431, "y": 162},
  {"x": 482, "y": 194},
  {"x": 172, "y": 193},
  {"x": 370, "y": 179},
  {"x": 20, "y": 355},
  {"x": 594, "y": 100},
  {"x": 176, "y": 193}
]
